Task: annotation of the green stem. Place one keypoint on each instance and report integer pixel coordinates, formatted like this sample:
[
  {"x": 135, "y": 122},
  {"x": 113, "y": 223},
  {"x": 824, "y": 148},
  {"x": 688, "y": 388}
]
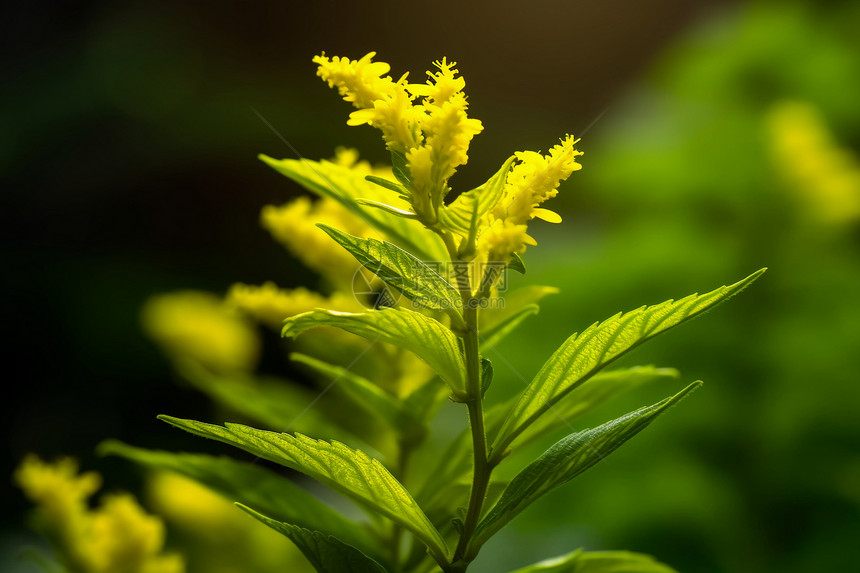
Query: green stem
[{"x": 482, "y": 469}]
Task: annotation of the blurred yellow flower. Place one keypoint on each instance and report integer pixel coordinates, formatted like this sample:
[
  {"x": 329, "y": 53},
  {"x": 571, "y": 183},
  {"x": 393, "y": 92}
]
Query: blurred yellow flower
[
  {"x": 197, "y": 325},
  {"x": 822, "y": 174},
  {"x": 270, "y": 305},
  {"x": 117, "y": 537}
]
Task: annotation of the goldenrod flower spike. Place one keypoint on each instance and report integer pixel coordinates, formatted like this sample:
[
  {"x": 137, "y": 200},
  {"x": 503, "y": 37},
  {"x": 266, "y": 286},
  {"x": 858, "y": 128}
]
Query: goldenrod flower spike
[
  {"x": 358, "y": 81},
  {"x": 534, "y": 180}
]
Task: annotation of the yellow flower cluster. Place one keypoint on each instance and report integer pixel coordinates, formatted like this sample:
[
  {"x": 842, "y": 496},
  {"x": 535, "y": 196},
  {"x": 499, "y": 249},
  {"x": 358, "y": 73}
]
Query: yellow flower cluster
[
  {"x": 198, "y": 326},
  {"x": 825, "y": 176},
  {"x": 117, "y": 537},
  {"x": 533, "y": 180},
  {"x": 270, "y": 305},
  {"x": 432, "y": 133}
]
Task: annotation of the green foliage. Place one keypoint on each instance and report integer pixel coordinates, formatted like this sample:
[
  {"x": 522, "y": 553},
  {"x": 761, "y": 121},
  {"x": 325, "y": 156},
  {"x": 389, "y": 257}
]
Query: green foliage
[
  {"x": 463, "y": 214},
  {"x": 410, "y": 330},
  {"x": 327, "y": 553},
  {"x": 400, "y": 270},
  {"x": 251, "y": 485},
  {"x": 583, "y": 354},
  {"x": 350, "y": 472},
  {"x": 460, "y": 504},
  {"x": 347, "y": 187},
  {"x": 599, "y": 562},
  {"x": 567, "y": 459}
]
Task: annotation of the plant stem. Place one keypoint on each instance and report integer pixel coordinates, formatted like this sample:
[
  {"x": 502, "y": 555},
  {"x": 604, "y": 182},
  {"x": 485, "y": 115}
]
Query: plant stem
[{"x": 482, "y": 469}]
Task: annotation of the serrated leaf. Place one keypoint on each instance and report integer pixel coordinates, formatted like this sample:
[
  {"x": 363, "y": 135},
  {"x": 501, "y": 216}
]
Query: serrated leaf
[
  {"x": 327, "y": 553},
  {"x": 587, "y": 396},
  {"x": 568, "y": 458},
  {"x": 516, "y": 264},
  {"x": 350, "y": 472},
  {"x": 387, "y": 208},
  {"x": 427, "y": 338},
  {"x": 582, "y": 355},
  {"x": 364, "y": 393},
  {"x": 464, "y": 213},
  {"x": 249, "y": 484},
  {"x": 400, "y": 270},
  {"x": 273, "y": 403},
  {"x": 346, "y": 186},
  {"x": 599, "y": 562},
  {"x": 455, "y": 465}
]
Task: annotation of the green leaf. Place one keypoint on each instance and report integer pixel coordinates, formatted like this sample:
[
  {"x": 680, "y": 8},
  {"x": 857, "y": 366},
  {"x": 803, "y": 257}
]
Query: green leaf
[
  {"x": 508, "y": 310},
  {"x": 464, "y": 213},
  {"x": 400, "y": 168},
  {"x": 365, "y": 394},
  {"x": 590, "y": 394},
  {"x": 346, "y": 186},
  {"x": 276, "y": 404},
  {"x": 387, "y": 208},
  {"x": 582, "y": 355},
  {"x": 249, "y": 484},
  {"x": 386, "y": 184},
  {"x": 426, "y": 400},
  {"x": 516, "y": 263},
  {"x": 350, "y": 472},
  {"x": 427, "y": 338},
  {"x": 455, "y": 465},
  {"x": 327, "y": 553},
  {"x": 599, "y": 562},
  {"x": 400, "y": 270},
  {"x": 501, "y": 331},
  {"x": 486, "y": 375},
  {"x": 568, "y": 458}
]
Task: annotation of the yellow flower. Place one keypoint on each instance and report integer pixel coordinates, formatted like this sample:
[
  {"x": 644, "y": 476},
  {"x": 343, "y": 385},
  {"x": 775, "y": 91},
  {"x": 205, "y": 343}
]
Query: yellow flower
[
  {"x": 501, "y": 238},
  {"x": 434, "y": 135},
  {"x": 294, "y": 225},
  {"x": 534, "y": 180},
  {"x": 824, "y": 175},
  {"x": 197, "y": 325},
  {"x": 394, "y": 115},
  {"x": 270, "y": 305},
  {"x": 117, "y": 537},
  {"x": 358, "y": 81}
]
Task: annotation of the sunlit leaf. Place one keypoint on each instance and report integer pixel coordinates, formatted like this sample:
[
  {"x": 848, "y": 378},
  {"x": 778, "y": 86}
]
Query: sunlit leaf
[
  {"x": 346, "y": 186},
  {"x": 273, "y": 403},
  {"x": 327, "y": 553},
  {"x": 587, "y": 396},
  {"x": 508, "y": 310},
  {"x": 350, "y": 472},
  {"x": 400, "y": 270},
  {"x": 427, "y": 338},
  {"x": 364, "y": 393},
  {"x": 249, "y": 484},
  {"x": 599, "y": 562},
  {"x": 582, "y": 355},
  {"x": 568, "y": 458},
  {"x": 455, "y": 465},
  {"x": 387, "y": 208},
  {"x": 463, "y": 214}
]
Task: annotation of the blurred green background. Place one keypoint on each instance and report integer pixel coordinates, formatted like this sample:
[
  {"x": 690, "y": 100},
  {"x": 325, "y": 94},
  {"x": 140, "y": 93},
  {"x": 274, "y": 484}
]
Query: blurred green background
[{"x": 719, "y": 138}]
